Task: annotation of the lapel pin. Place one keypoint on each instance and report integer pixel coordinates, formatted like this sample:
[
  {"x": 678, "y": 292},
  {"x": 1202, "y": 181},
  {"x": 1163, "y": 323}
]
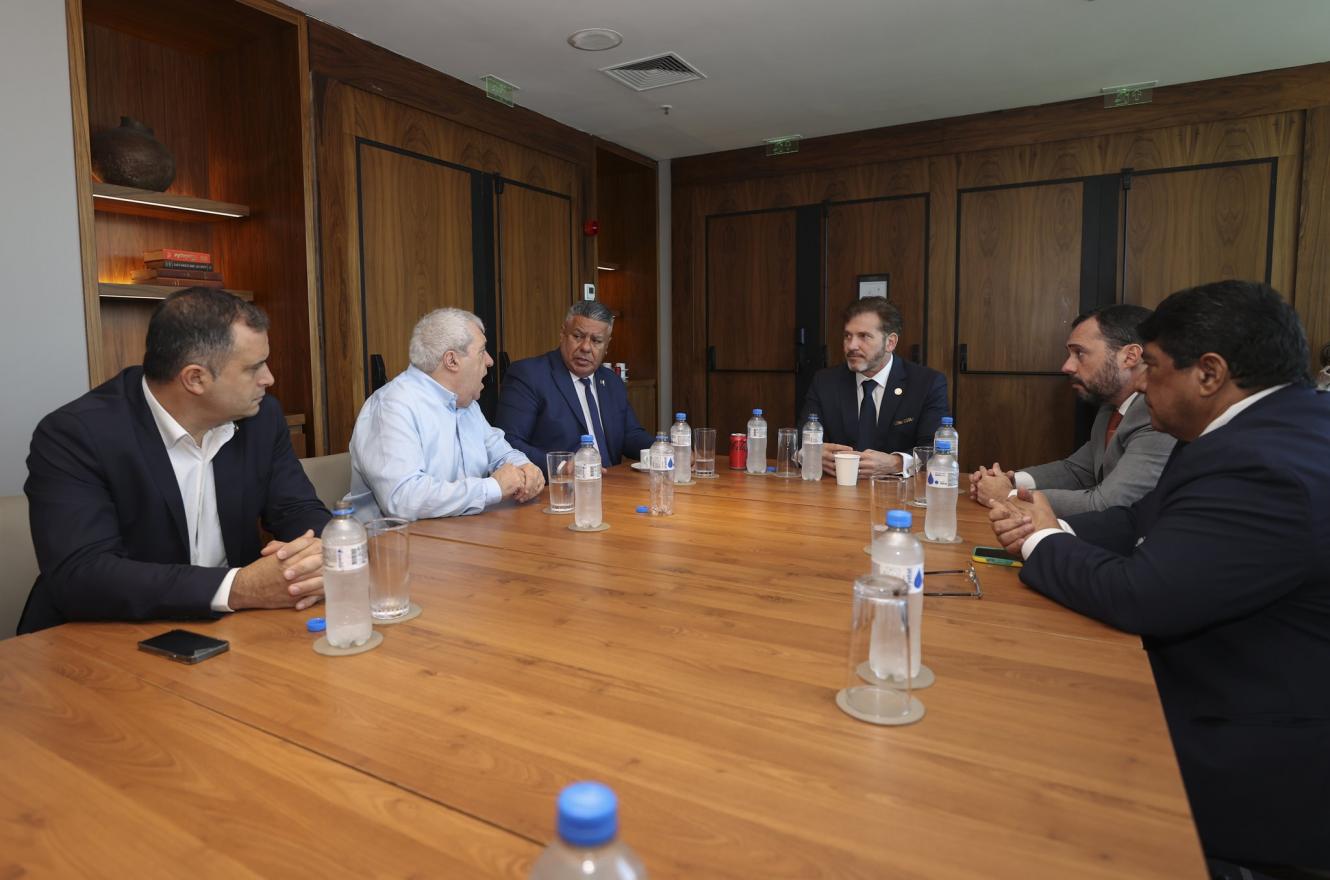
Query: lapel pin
[{"x": 899, "y": 391}]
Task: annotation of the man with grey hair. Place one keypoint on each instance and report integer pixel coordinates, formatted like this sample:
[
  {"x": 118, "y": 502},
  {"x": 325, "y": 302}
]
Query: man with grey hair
[
  {"x": 549, "y": 401},
  {"x": 421, "y": 447}
]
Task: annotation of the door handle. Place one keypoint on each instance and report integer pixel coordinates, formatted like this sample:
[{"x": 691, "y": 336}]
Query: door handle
[
  {"x": 964, "y": 356},
  {"x": 378, "y": 374},
  {"x": 711, "y": 358}
]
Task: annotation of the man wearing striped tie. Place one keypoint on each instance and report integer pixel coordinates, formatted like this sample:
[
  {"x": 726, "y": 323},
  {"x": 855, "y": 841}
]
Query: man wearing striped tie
[{"x": 1124, "y": 455}]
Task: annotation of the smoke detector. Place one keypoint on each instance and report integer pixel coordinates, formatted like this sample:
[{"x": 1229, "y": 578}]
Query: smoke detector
[
  {"x": 595, "y": 39},
  {"x": 667, "y": 69}
]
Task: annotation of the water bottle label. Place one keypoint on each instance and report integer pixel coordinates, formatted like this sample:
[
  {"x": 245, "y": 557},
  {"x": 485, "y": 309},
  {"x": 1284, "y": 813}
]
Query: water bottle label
[
  {"x": 345, "y": 558},
  {"x": 757, "y": 433},
  {"x": 913, "y": 575},
  {"x": 942, "y": 479},
  {"x": 665, "y": 462},
  {"x": 587, "y": 470}
]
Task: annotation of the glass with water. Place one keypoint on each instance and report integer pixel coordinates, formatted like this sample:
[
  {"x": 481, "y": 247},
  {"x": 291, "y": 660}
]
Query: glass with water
[
  {"x": 787, "y": 445},
  {"x": 559, "y": 466},
  {"x": 389, "y": 568},
  {"x": 919, "y": 470},
  {"x": 704, "y": 452}
]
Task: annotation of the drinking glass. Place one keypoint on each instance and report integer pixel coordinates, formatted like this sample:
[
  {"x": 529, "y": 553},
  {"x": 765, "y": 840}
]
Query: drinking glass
[
  {"x": 559, "y": 466},
  {"x": 888, "y": 492},
  {"x": 919, "y": 470},
  {"x": 704, "y": 452},
  {"x": 878, "y": 684},
  {"x": 389, "y": 568},
  {"x": 787, "y": 443}
]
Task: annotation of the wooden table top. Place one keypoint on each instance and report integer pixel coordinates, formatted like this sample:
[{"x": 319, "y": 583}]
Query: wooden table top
[{"x": 690, "y": 662}]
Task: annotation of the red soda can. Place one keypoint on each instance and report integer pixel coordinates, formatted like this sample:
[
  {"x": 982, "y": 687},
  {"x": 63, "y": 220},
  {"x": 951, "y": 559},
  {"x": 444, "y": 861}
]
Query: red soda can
[{"x": 738, "y": 452}]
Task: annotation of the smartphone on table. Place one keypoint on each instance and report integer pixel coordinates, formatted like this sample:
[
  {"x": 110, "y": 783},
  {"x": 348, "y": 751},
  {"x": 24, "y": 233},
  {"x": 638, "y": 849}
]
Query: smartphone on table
[
  {"x": 184, "y": 646},
  {"x": 996, "y": 556}
]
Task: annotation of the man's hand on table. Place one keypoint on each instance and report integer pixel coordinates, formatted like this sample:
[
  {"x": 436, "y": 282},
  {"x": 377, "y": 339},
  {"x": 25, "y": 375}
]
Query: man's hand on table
[
  {"x": 991, "y": 484},
  {"x": 1015, "y": 519},
  {"x": 287, "y": 574},
  {"x": 533, "y": 482}
]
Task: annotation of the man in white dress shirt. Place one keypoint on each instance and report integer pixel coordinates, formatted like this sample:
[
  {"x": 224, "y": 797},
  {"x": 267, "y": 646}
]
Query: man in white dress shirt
[{"x": 421, "y": 446}]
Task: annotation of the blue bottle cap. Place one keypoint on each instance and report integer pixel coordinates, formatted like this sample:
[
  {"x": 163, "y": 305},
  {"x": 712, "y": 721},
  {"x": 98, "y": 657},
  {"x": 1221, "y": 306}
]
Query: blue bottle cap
[
  {"x": 947, "y": 420},
  {"x": 944, "y": 446},
  {"x": 587, "y": 438},
  {"x": 316, "y": 624},
  {"x": 757, "y": 412},
  {"x": 771, "y": 468},
  {"x": 899, "y": 519},
  {"x": 642, "y": 508},
  {"x": 588, "y": 814},
  {"x": 681, "y": 417}
]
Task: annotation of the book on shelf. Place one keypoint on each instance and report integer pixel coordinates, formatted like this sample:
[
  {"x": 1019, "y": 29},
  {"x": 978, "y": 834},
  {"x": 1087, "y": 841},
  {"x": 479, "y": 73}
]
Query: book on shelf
[
  {"x": 177, "y": 255},
  {"x": 146, "y": 276},
  {"x": 177, "y": 282},
  {"x": 178, "y": 264}
]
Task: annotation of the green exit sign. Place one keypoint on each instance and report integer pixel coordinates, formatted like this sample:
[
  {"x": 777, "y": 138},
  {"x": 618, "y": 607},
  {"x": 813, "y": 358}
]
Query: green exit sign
[
  {"x": 499, "y": 90},
  {"x": 783, "y": 146},
  {"x": 1126, "y": 96}
]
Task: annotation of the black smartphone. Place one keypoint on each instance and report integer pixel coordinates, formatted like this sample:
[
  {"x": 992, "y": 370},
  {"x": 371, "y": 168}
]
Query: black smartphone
[
  {"x": 183, "y": 646},
  {"x": 996, "y": 556}
]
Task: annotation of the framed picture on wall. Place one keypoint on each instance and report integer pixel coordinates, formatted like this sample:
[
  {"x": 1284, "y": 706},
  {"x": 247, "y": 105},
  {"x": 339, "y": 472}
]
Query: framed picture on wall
[{"x": 875, "y": 285}]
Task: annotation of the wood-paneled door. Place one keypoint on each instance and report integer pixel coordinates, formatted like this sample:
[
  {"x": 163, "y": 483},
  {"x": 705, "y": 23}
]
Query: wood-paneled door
[
  {"x": 752, "y": 355},
  {"x": 1018, "y": 288},
  {"x": 887, "y": 236},
  {"x": 419, "y": 212},
  {"x": 1188, "y": 226},
  {"x": 535, "y": 278}
]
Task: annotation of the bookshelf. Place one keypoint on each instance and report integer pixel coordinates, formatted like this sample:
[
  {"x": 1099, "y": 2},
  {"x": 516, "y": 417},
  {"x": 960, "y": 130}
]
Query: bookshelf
[{"x": 224, "y": 85}]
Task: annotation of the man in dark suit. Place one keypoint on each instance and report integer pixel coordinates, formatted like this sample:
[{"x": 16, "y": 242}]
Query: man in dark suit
[
  {"x": 1224, "y": 569},
  {"x": 145, "y": 493},
  {"x": 549, "y": 401},
  {"x": 1124, "y": 455},
  {"x": 876, "y": 403}
]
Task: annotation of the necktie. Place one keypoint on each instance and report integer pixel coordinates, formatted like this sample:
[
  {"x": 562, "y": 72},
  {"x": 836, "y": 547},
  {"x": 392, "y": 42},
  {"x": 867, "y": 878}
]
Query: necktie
[
  {"x": 1113, "y": 422},
  {"x": 596, "y": 428},
  {"x": 867, "y": 416}
]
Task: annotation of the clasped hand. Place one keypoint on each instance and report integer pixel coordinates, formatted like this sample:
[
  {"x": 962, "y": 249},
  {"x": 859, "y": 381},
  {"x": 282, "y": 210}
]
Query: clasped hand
[{"x": 520, "y": 482}]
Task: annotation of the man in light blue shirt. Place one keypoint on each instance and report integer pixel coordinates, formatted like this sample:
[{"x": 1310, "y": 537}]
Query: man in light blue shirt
[{"x": 421, "y": 447}]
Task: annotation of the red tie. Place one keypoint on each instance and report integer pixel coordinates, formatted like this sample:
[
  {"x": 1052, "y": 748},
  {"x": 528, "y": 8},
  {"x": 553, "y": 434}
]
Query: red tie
[{"x": 1113, "y": 422}]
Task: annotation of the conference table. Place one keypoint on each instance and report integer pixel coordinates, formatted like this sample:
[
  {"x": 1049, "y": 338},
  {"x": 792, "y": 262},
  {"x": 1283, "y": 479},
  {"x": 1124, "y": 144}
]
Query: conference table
[{"x": 690, "y": 662}]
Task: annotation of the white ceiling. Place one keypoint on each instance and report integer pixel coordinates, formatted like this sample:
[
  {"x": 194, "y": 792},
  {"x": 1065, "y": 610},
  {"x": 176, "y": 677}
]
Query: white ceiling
[{"x": 820, "y": 67}]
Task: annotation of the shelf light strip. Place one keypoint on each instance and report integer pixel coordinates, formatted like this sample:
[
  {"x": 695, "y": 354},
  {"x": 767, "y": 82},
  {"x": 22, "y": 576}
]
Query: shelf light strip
[
  {"x": 172, "y": 207},
  {"x": 608, "y": 268}
]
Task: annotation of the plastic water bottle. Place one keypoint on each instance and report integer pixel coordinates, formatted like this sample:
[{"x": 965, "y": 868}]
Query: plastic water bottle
[
  {"x": 943, "y": 480},
  {"x": 346, "y": 578},
  {"x": 948, "y": 432},
  {"x": 662, "y": 476},
  {"x": 757, "y": 443},
  {"x": 588, "y": 844},
  {"x": 898, "y": 553},
  {"x": 681, "y": 438},
  {"x": 812, "y": 448},
  {"x": 586, "y": 484}
]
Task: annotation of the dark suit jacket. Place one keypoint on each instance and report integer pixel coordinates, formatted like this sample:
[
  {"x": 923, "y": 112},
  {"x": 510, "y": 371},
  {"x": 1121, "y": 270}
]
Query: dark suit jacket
[
  {"x": 904, "y": 420},
  {"x": 540, "y": 412},
  {"x": 108, "y": 523},
  {"x": 1225, "y": 570}
]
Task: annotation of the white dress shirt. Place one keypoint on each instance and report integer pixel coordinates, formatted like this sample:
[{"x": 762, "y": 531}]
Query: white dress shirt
[
  {"x": 1025, "y": 481},
  {"x": 586, "y": 410},
  {"x": 876, "y": 385},
  {"x": 1219, "y": 421},
  {"x": 192, "y": 463}
]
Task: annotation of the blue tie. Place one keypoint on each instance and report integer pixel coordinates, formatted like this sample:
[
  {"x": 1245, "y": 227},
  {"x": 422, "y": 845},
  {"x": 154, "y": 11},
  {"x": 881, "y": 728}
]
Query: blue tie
[
  {"x": 867, "y": 417},
  {"x": 596, "y": 427}
]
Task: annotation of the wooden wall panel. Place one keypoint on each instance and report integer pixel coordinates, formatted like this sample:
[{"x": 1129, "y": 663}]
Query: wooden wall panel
[
  {"x": 750, "y": 291},
  {"x": 535, "y": 271},
  {"x": 1189, "y": 227},
  {"x": 626, "y": 209},
  {"x": 942, "y": 267},
  {"x": 414, "y": 261},
  {"x": 871, "y": 238},
  {"x": 688, "y": 340},
  {"x": 1312, "y": 296},
  {"x": 1019, "y": 277},
  {"x": 1015, "y": 420}
]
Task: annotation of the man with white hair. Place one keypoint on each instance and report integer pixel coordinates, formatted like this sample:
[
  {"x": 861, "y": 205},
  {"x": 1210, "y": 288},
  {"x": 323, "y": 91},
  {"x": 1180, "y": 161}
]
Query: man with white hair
[{"x": 421, "y": 447}]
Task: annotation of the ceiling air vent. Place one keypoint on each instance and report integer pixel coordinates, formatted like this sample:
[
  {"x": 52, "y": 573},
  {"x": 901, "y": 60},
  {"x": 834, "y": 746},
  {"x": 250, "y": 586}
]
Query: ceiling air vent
[{"x": 652, "y": 73}]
